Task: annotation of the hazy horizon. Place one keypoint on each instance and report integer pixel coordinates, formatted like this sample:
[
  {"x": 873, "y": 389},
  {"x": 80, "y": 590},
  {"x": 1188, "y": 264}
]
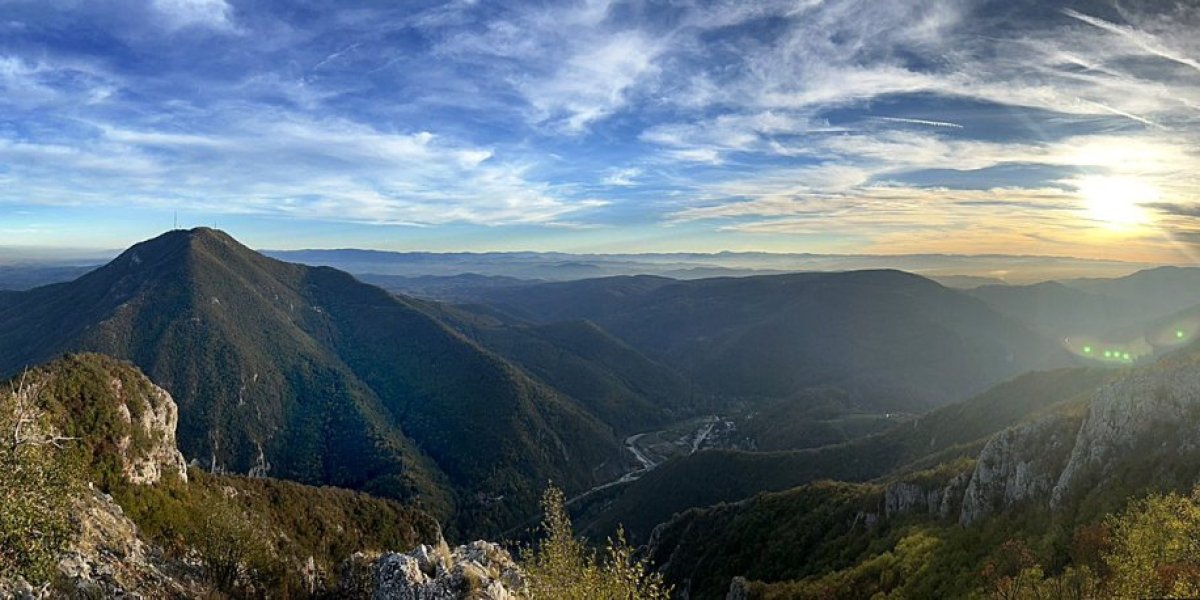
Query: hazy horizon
[{"x": 533, "y": 264}]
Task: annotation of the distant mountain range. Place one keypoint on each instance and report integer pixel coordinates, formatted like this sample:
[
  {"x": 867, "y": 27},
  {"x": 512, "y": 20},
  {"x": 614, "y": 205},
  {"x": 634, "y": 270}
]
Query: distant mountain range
[
  {"x": 891, "y": 340},
  {"x": 954, "y": 270},
  {"x": 411, "y": 271},
  {"x": 25, "y": 277},
  {"x": 310, "y": 374}
]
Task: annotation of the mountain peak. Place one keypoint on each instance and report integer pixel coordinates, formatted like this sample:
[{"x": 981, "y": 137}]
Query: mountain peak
[
  {"x": 183, "y": 244},
  {"x": 204, "y": 236}
]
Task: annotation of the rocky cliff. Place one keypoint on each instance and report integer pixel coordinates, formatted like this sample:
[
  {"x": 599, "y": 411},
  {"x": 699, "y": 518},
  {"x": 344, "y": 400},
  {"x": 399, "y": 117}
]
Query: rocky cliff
[
  {"x": 122, "y": 423},
  {"x": 936, "y": 498},
  {"x": 476, "y": 571},
  {"x": 109, "y": 559},
  {"x": 1018, "y": 465},
  {"x": 1154, "y": 412},
  {"x": 121, "y": 428},
  {"x": 1138, "y": 433},
  {"x": 158, "y": 416}
]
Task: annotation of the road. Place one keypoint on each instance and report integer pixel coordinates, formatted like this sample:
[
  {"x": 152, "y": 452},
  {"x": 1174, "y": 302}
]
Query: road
[{"x": 646, "y": 463}]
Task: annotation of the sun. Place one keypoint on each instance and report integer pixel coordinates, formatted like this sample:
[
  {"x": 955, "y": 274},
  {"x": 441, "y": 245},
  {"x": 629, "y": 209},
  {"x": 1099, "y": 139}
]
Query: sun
[{"x": 1115, "y": 201}]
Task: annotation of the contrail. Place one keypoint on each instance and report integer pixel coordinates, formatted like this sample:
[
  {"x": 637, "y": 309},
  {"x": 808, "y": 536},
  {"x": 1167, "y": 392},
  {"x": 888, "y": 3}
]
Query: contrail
[
  {"x": 1127, "y": 115},
  {"x": 920, "y": 122},
  {"x": 1143, "y": 40},
  {"x": 335, "y": 55}
]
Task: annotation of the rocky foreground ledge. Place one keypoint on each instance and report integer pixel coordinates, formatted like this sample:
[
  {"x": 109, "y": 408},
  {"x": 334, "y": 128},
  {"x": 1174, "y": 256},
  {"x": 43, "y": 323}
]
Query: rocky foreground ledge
[
  {"x": 477, "y": 571},
  {"x": 114, "y": 563},
  {"x": 121, "y": 427}
]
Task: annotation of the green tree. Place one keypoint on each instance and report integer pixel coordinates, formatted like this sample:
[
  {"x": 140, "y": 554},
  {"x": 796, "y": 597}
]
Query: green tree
[
  {"x": 562, "y": 567},
  {"x": 38, "y": 481},
  {"x": 237, "y": 558}
]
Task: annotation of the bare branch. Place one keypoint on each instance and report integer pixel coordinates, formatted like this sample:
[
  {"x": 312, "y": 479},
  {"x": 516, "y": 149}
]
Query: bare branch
[{"x": 26, "y": 417}]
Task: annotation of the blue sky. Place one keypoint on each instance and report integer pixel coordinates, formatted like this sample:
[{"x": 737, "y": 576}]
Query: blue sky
[{"x": 1014, "y": 126}]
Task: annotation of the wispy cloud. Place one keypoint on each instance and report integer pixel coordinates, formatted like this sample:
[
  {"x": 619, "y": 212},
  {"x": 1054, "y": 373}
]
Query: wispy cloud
[
  {"x": 623, "y": 177},
  {"x": 215, "y": 14},
  {"x": 853, "y": 119},
  {"x": 329, "y": 169},
  {"x": 1143, "y": 40}
]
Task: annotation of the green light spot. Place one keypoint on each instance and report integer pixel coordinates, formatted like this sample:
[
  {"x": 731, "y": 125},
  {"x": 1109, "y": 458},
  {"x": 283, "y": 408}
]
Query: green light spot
[
  {"x": 1087, "y": 349},
  {"x": 1107, "y": 354},
  {"x": 1179, "y": 334},
  {"x": 1127, "y": 356}
]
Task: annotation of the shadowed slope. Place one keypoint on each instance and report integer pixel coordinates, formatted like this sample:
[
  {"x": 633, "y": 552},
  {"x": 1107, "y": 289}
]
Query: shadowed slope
[{"x": 312, "y": 375}]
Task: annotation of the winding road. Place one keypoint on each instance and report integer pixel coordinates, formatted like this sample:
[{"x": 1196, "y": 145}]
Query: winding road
[{"x": 648, "y": 464}]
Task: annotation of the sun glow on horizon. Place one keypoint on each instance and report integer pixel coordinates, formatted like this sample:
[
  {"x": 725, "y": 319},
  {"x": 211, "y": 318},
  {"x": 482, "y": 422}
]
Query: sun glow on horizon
[{"x": 1116, "y": 201}]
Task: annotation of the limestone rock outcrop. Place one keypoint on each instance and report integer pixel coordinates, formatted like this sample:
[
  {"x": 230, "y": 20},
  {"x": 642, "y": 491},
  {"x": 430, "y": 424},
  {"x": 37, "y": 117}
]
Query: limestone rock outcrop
[
  {"x": 158, "y": 416},
  {"x": 476, "y": 571},
  {"x": 937, "y": 500},
  {"x": 1152, "y": 412},
  {"x": 108, "y": 559},
  {"x": 1020, "y": 464}
]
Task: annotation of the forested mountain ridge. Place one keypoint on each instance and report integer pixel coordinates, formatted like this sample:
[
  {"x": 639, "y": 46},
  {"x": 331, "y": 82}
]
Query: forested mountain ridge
[
  {"x": 621, "y": 385},
  {"x": 951, "y": 432},
  {"x": 1100, "y": 309},
  {"x": 307, "y": 374},
  {"x": 1045, "y": 506},
  {"x": 891, "y": 340}
]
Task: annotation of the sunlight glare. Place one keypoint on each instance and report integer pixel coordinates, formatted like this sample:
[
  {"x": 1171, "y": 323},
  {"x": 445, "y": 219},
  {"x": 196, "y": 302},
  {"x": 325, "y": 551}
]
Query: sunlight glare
[{"x": 1116, "y": 201}]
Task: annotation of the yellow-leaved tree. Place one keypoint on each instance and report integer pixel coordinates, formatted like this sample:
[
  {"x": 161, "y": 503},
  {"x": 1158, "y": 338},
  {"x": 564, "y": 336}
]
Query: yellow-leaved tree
[
  {"x": 1149, "y": 550},
  {"x": 1156, "y": 548},
  {"x": 562, "y": 567}
]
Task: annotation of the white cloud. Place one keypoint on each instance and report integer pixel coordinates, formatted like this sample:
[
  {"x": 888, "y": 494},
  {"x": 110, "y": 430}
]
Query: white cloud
[
  {"x": 844, "y": 53},
  {"x": 623, "y": 177},
  {"x": 723, "y": 105},
  {"x": 214, "y": 14},
  {"x": 593, "y": 83},
  {"x": 329, "y": 169},
  {"x": 572, "y": 67},
  {"x": 1143, "y": 40}
]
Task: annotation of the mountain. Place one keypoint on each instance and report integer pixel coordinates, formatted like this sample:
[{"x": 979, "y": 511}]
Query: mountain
[
  {"x": 1142, "y": 315},
  {"x": 308, "y": 374},
  {"x": 1059, "y": 310},
  {"x": 1096, "y": 307},
  {"x": 945, "y": 434},
  {"x": 965, "y": 270},
  {"x": 140, "y": 523},
  {"x": 1053, "y": 495},
  {"x": 891, "y": 340},
  {"x": 1151, "y": 292},
  {"x": 443, "y": 288},
  {"x": 612, "y": 380}
]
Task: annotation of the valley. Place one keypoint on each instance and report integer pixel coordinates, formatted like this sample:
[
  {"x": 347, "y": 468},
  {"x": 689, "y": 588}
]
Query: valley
[
  {"x": 650, "y": 449},
  {"x": 675, "y": 410}
]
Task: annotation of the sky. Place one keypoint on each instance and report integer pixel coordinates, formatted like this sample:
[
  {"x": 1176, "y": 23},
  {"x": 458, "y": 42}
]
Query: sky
[{"x": 835, "y": 126}]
